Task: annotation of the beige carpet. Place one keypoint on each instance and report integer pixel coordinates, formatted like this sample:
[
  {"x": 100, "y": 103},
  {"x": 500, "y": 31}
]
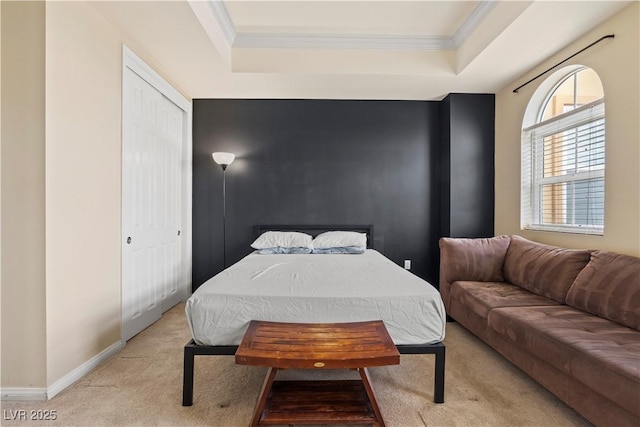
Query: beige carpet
[{"x": 142, "y": 386}]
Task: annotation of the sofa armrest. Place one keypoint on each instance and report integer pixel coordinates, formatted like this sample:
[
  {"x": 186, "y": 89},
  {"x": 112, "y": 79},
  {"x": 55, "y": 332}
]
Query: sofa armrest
[{"x": 478, "y": 260}]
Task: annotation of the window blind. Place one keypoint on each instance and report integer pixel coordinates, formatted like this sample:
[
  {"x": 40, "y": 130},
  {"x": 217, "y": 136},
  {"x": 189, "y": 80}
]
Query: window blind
[{"x": 563, "y": 164}]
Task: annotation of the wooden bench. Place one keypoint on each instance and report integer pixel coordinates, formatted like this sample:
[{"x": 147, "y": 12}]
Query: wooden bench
[{"x": 317, "y": 346}]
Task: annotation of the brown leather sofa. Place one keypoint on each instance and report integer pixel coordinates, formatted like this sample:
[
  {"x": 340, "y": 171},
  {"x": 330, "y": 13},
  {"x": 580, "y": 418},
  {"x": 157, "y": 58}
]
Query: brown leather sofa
[{"x": 568, "y": 318}]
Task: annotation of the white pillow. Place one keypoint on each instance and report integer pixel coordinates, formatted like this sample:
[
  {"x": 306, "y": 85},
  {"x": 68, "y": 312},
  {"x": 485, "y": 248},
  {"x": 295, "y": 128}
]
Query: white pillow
[
  {"x": 282, "y": 239},
  {"x": 340, "y": 239}
]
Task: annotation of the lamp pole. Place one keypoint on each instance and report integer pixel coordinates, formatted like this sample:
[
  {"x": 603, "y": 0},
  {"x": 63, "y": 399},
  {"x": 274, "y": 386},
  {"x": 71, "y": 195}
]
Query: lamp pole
[
  {"x": 224, "y": 216},
  {"x": 224, "y": 160}
]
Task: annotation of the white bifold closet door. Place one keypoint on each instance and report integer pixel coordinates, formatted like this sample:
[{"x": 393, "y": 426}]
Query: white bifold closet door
[{"x": 151, "y": 197}]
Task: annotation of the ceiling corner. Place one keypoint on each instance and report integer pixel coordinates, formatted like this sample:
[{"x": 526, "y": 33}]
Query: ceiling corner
[
  {"x": 212, "y": 21},
  {"x": 224, "y": 20},
  {"x": 472, "y": 22}
]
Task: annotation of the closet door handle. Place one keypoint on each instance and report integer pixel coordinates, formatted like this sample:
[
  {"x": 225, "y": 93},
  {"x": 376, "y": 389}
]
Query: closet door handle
[{"x": 129, "y": 240}]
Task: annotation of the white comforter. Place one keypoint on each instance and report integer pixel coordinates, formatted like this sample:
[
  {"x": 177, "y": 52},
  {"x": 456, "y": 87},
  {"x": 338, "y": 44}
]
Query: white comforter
[{"x": 315, "y": 289}]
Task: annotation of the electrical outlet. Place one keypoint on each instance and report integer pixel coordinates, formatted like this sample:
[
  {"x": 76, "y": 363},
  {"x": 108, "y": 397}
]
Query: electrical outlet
[{"x": 407, "y": 264}]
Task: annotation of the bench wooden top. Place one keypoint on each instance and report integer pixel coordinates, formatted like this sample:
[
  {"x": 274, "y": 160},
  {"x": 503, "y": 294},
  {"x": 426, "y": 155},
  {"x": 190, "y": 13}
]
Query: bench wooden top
[{"x": 317, "y": 345}]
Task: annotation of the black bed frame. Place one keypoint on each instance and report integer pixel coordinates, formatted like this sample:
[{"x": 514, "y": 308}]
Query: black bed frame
[{"x": 192, "y": 349}]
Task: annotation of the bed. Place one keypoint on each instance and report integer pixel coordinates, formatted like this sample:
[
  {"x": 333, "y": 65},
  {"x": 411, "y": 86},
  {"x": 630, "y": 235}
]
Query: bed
[{"x": 321, "y": 289}]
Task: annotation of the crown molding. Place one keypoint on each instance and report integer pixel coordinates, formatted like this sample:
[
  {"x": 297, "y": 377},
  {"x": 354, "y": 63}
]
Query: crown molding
[
  {"x": 224, "y": 20},
  {"x": 478, "y": 14},
  {"x": 342, "y": 41},
  {"x": 339, "y": 41}
]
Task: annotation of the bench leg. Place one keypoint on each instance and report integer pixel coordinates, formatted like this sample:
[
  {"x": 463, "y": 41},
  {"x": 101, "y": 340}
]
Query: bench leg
[
  {"x": 438, "y": 392},
  {"x": 187, "y": 380},
  {"x": 366, "y": 380},
  {"x": 264, "y": 394}
]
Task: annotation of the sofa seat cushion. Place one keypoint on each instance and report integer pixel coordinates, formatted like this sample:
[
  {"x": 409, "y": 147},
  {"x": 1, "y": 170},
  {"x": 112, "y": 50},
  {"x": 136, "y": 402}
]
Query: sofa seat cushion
[
  {"x": 609, "y": 287},
  {"x": 542, "y": 269},
  {"x": 599, "y": 353},
  {"x": 481, "y": 297}
]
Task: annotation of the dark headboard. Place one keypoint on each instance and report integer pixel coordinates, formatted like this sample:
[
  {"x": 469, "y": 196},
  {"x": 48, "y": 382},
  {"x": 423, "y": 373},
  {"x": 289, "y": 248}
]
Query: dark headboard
[{"x": 314, "y": 230}]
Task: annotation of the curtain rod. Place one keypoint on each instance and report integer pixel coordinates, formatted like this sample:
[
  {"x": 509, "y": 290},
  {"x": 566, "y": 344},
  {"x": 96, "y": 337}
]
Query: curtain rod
[{"x": 608, "y": 36}]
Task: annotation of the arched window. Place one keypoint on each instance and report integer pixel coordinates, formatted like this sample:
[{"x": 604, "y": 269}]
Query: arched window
[{"x": 563, "y": 154}]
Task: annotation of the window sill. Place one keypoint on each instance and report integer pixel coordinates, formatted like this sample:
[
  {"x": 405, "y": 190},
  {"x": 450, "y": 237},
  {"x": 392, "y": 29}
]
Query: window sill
[{"x": 566, "y": 229}]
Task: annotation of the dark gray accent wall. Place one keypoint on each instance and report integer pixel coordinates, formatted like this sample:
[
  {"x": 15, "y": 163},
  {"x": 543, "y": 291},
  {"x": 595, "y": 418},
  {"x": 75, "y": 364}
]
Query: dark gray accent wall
[
  {"x": 468, "y": 155},
  {"x": 323, "y": 162}
]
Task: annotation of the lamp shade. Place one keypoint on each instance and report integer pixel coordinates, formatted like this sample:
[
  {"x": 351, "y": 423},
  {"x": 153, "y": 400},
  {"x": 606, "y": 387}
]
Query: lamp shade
[{"x": 223, "y": 159}]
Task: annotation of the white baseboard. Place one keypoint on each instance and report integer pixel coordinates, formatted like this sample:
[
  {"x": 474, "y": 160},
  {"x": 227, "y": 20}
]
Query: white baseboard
[
  {"x": 83, "y": 369},
  {"x": 23, "y": 394}
]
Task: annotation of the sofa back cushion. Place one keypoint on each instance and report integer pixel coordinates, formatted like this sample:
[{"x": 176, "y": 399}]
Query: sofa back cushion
[
  {"x": 609, "y": 287},
  {"x": 477, "y": 260},
  {"x": 542, "y": 269}
]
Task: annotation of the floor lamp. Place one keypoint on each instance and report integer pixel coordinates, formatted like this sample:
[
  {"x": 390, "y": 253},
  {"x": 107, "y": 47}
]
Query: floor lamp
[{"x": 224, "y": 160}]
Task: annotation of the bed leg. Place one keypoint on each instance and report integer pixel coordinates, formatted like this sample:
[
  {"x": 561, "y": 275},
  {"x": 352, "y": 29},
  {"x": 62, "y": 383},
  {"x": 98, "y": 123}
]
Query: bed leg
[
  {"x": 187, "y": 380},
  {"x": 438, "y": 392}
]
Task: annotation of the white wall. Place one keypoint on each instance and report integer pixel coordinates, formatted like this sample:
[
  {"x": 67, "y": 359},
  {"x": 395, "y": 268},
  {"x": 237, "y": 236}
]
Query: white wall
[
  {"x": 61, "y": 198},
  {"x": 617, "y": 63},
  {"x": 23, "y": 195},
  {"x": 83, "y": 107}
]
